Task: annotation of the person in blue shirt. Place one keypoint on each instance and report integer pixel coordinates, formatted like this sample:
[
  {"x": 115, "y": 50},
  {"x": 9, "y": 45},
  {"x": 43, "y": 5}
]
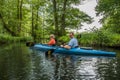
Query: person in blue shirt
[{"x": 73, "y": 43}]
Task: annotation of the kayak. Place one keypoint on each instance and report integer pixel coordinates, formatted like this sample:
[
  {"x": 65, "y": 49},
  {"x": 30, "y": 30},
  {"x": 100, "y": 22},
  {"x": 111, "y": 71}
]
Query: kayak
[{"x": 75, "y": 51}]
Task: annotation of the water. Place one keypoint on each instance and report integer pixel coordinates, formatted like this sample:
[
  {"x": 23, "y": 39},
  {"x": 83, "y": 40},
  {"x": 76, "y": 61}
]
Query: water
[{"x": 17, "y": 62}]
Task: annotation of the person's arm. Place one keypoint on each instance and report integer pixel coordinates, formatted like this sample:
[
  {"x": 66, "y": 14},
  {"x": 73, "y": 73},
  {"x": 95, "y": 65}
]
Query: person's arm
[{"x": 67, "y": 47}]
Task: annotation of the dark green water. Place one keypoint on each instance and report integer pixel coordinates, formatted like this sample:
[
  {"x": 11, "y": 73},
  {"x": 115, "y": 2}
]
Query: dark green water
[{"x": 17, "y": 62}]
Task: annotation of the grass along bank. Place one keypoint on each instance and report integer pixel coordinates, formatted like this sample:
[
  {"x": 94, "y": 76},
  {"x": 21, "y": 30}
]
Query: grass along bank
[
  {"x": 100, "y": 38},
  {"x": 5, "y": 39}
]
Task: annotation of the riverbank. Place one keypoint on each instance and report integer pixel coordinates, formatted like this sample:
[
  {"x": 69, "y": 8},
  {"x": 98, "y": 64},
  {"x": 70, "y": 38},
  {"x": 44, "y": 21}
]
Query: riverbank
[
  {"x": 6, "y": 39},
  {"x": 105, "y": 39}
]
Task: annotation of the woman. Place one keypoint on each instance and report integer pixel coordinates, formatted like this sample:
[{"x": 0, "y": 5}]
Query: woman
[{"x": 52, "y": 40}]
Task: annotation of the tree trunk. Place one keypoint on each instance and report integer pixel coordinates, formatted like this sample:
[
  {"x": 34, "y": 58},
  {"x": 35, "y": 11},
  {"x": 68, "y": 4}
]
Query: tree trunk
[
  {"x": 37, "y": 16},
  {"x": 32, "y": 24},
  {"x": 63, "y": 18},
  {"x": 36, "y": 26},
  {"x": 55, "y": 18},
  {"x": 19, "y": 16}
]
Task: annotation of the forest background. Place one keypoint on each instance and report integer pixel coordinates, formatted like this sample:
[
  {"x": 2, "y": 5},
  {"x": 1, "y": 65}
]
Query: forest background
[{"x": 25, "y": 20}]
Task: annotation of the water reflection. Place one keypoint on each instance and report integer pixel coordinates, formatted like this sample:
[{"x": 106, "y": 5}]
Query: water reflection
[
  {"x": 108, "y": 69},
  {"x": 14, "y": 63},
  {"x": 17, "y": 62},
  {"x": 71, "y": 67},
  {"x": 41, "y": 68}
]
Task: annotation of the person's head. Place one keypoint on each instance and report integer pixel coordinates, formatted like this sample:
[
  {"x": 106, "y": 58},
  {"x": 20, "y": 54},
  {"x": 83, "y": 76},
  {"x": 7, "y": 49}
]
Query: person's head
[
  {"x": 52, "y": 36},
  {"x": 71, "y": 34}
]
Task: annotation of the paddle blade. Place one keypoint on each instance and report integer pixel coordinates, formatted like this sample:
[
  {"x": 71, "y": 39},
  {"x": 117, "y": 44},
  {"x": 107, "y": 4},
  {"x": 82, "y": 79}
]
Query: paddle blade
[{"x": 30, "y": 44}]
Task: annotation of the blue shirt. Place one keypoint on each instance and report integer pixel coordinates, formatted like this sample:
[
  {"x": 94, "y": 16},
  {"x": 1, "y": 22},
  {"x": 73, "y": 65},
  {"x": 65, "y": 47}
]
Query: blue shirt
[{"x": 73, "y": 43}]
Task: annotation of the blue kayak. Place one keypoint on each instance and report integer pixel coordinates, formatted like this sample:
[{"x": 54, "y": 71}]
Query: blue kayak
[{"x": 76, "y": 51}]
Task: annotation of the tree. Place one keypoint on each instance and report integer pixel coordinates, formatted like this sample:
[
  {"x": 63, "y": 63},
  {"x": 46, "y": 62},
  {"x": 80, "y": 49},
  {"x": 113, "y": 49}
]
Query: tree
[
  {"x": 37, "y": 7},
  {"x": 38, "y": 18},
  {"x": 110, "y": 10},
  {"x": 66, "y": 16},
  {"x": 4, "y": 12},
  {"x": 19, "y": 15}
]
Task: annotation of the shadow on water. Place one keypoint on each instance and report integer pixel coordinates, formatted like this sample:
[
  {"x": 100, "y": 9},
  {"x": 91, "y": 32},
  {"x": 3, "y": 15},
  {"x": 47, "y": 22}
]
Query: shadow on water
[{"x": 17, "y": 62}]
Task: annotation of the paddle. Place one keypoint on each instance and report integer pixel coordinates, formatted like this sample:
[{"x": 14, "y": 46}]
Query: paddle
[{"x": 86, "y": 48}]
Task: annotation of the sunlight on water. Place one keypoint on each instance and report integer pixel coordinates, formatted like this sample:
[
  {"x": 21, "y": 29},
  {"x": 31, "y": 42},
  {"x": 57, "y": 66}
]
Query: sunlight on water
[{"x": 87, "y": 68}]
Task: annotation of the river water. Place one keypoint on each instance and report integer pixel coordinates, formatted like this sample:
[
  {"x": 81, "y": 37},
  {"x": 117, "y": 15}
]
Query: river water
[{"x": 18, "y": 62}]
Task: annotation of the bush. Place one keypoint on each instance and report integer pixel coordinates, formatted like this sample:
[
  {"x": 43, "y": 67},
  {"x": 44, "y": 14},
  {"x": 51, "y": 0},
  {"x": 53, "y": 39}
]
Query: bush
[
  {"x": 63, "y": 39},
  {"x": 100, "y": 38}
]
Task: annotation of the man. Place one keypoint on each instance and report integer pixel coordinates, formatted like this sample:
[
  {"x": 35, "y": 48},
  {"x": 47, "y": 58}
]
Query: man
[
  {"x": 52, "y": 40},
  {"x": 73, "y": 43}
]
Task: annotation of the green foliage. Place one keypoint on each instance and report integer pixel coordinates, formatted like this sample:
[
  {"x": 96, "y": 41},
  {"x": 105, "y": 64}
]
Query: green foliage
[
  {"x": 63, "y": 39},
  {"x": 66, "y": 16},
  {"x": 9, "y": 39},
  {"x": 115, "y": 40},
  {"x": 36, "y": 18},
  {"x": 75, "y": 18},
  {"x": 110, "y": 10},
  {"x": 100, "y": 38}
]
